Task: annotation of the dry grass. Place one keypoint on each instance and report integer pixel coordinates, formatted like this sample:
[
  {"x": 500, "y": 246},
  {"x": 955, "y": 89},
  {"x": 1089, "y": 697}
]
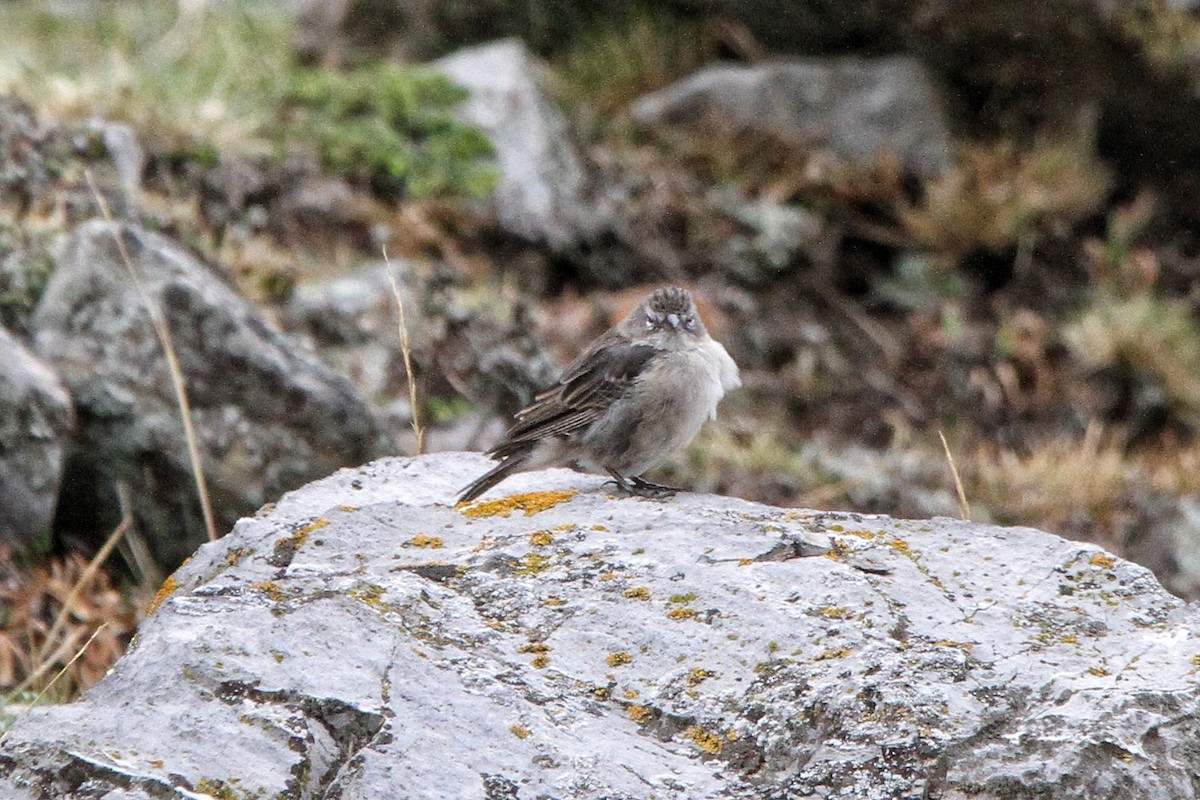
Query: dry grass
[
  {"x": 995, "y": 194},
  {"x": 49, "y": 612},
  {"x": 163, "y": 331},
  {"x": 209, "y": 78},
  {"x": 406, "y": 351},
  {"x": 964, "y": 508},
  {"x": 1155, "y": 338},
  {"x": 1058, "y": 485},
  {"x": 632, "y": 54}
]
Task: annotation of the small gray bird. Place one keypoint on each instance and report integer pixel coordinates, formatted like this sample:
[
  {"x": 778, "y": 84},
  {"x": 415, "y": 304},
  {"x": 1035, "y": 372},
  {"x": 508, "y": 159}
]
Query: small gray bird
[{"x": 637, "y": 394}]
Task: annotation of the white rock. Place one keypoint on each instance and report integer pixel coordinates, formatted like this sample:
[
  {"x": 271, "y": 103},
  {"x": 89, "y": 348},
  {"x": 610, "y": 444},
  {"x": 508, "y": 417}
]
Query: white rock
[{"x": 624, "y": 648}]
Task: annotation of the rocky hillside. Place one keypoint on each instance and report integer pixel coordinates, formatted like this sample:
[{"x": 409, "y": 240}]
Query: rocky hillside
[{"x": 904, "y": 220}]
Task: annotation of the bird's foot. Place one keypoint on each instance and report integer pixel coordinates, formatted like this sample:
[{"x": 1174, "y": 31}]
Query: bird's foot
[
  {"x": 637, "y": 487},
  {"x": 645, "y": 488}
]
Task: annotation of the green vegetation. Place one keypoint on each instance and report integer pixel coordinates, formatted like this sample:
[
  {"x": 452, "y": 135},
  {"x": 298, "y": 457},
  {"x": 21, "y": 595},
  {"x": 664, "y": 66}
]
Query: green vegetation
[
  {"x": 392, "y": 125},
  {"x": 223, "y": 82},
  {"x": 996, "y": 194},
  {"x": 628, "y": 54},
  {"x": 203, "y": 84}
]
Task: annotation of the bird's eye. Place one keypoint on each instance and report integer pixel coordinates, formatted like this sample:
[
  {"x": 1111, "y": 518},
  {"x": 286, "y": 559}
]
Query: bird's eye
[
  {"x": 649, "y": 321},
  {"x": 690, "y": 323}
]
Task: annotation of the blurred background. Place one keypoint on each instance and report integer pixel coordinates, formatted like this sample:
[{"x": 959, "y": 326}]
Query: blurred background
[{"x": 903, "y": 218}]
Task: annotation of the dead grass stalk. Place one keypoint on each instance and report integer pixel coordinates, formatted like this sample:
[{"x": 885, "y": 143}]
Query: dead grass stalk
[
  {"x": 964, "y": 508},
  {"x": 163, "y": 331},
  {"x": 406, "y": 350}
]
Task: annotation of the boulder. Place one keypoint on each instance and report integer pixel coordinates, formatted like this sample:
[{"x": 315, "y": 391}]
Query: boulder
[
  {"x": 268, "y": 416},
  {"x": 859, "y": 108},
  {"x": 35, "y": 419},
  {"x": 366, "y": 638},
  {"x": 541, "y": 193}
]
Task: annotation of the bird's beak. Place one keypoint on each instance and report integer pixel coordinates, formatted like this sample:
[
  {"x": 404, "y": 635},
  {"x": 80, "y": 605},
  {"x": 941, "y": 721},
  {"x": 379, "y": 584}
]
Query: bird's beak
[{"x": 673, "y": 321}]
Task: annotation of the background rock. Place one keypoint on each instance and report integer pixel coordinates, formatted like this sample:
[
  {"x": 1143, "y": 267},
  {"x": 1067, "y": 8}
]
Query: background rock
[
  {"x": 858, "y": 108},
  {"x": 363, "y": 638},
  {"x": 268, "y": 416},
  {"x": 35, "y": 420},
  {"x": 541, "y": 191}
]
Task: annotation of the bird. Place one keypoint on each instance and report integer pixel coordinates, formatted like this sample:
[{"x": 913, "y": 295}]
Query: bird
[{"x": 638, "y": 393}]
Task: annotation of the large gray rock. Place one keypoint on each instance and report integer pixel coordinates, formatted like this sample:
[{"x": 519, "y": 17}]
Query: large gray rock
[
  {"x": 541, "y": 194},
  {"x": 268, "y": 416},
  {"x": 365, "y": 639},
  {"x": 35, "y": 419},
  {"x": 856, "y": 107}
]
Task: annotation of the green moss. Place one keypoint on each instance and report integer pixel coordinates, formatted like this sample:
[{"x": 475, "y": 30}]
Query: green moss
[{"x": 392, "y": 126}]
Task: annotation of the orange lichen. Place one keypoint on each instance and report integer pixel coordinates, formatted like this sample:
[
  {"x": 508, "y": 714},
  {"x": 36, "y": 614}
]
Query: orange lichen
[
  {"x": 234, "y": 556},
  {"x": 835, "y": 612},
  {"x": 637, "y": 593},
  {"x": 640, "y": 714},
  {"x": 1102, "y": 560},
  {"x": 529, "y": 502},
  {"x": 618, "y": 658},
  {"x": 705, "y": 740},
  {"x": 541, "y": 539},
  {"x": 299, "y": 536},
  {"x": 519, "y": 731},
  {"x": 166, "y": 590},
  {"x": 422, "y": 540},
  {"x": 271, "y": 589},
  {"x": 681, "y": 613},
  {"x": 840, "y": 652}
]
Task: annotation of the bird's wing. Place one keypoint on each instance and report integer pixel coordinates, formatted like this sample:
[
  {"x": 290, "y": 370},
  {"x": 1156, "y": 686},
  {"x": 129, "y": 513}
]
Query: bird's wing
[{"x": 588, "y": 386}]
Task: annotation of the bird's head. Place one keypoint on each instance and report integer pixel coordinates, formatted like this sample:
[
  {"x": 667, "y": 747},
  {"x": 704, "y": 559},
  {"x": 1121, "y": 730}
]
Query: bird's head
[{"x": 667, "y": 314}]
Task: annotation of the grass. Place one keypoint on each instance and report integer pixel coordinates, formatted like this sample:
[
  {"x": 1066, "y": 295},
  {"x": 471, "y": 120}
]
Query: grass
[
  {"x": 1128, "y": 327},
  {"x": 223, "y": 82},
  {"x": 163, "y": 331},
  {"x": 1056, "y": 485},
  {"x": 63, "y": 626},
  {"x": 211, "y": 83},
  {"x": 406, "y": 351},
  {"x": 995, "y": 194},
  {"x": 391, "y": 126},
  {"x": 631, "y": 53}
]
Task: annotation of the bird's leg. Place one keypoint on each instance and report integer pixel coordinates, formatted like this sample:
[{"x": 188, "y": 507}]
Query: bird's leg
[
  {"x": 644, "y": 488},
  {"x": 619, "y": 482},
  {"x": 640, "y": 488}
]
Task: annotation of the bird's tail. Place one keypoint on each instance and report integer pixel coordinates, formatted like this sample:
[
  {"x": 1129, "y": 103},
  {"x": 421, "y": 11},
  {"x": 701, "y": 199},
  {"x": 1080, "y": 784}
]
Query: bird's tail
[{"x": 492, "y": 477}]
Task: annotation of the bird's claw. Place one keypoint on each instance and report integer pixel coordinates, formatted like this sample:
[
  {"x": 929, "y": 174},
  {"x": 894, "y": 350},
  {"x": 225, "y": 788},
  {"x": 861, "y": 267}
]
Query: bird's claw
[{"x": 637, "y": 487}]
